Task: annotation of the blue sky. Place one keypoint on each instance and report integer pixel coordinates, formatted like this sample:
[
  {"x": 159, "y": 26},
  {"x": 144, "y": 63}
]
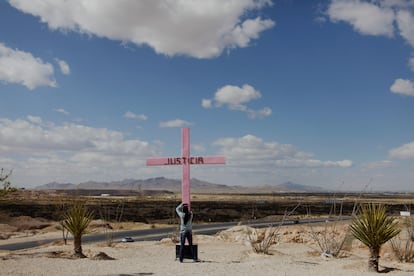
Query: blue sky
[{"x": 313, "y": 92}]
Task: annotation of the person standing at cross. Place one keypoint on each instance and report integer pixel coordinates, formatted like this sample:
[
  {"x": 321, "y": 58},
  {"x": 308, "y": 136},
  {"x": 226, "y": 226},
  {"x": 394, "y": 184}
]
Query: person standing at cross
[
  {"x": 186, "y": 229},
  {"x": 184, "y": 209}
]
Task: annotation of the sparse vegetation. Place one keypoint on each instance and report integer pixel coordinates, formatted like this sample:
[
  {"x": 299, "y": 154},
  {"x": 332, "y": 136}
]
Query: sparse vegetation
[
  {"x": 403, "y": 244},
  {"x": 262, "y": 240},
  {"x": 108, "y": 216},
  {"x": 61, "y": 210},
  {"x": 76, "y": 221},
  {"x": 5, "y": 183},
  {"x": 331, "y": 233},
  {"x": 175, "y": 235},
  {"x": 374, "y": 228},
  {"x": 331, "y": 241}
]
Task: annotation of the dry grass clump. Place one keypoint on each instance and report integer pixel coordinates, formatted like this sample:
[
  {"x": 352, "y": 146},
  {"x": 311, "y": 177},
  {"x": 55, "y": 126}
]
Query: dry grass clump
[
  {"x": 403, "y": 245},
  {"x": 238, "y": 233},
  {"x": 175, "y": 235},
  {"x": 262, "y": 240},
  {"x": 332, "y": 240},
  {"x": 259, "y": 239}
]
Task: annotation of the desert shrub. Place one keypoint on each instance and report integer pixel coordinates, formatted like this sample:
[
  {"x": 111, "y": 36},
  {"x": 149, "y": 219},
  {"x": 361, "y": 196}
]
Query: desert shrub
[
  {"x": 403, "y": 244},
  {"x": 109, "y": 215},
  {"x": 7, "y": 188},
  {"x": 261, "y": 241},
  {"x": 175, "y": 236},
  {"x": 331, "y": 241},
  {"x": 61, "y": 210}
]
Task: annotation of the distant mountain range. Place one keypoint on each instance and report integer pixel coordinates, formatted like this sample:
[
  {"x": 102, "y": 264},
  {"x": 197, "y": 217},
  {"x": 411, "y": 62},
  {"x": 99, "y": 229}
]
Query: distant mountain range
[
  {"x": 290, "y": 186},
  {"x": 174, "y": 185}
]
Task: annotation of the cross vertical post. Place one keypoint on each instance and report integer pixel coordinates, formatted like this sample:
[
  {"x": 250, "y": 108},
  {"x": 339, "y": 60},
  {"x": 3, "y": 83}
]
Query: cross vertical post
[{"x": 185, "y": 153}]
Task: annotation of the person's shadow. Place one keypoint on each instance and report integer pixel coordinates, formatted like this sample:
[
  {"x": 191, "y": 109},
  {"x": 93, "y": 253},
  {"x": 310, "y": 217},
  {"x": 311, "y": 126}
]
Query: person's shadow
[
  {"x": 137, "y": 274},
  {"x": 388, "y": 269}
]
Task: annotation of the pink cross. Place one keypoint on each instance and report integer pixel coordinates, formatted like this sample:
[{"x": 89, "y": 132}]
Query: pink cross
[{"x": 185, "y": 160}]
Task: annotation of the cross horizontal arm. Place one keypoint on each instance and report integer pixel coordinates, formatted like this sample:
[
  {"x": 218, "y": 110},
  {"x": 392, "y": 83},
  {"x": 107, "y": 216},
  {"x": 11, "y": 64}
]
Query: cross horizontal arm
[
  {"x": 196, "y": 160},
  {"x": 161, "y": 161}
]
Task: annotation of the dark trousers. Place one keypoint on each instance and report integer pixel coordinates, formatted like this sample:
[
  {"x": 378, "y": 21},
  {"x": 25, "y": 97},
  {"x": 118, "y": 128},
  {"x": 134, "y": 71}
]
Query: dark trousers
[{"x": 189, "y": 236}]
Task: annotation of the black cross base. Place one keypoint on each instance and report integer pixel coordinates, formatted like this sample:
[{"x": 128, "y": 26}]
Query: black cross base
[{"x": 187, "y": 251}]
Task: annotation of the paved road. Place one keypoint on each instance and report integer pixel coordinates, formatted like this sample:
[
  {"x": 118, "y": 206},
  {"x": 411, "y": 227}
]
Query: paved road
[{"x": 160, "y": 233}]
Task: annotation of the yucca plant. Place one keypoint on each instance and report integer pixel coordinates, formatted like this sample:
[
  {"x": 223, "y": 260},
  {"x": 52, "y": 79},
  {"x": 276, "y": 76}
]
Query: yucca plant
[
  {"x": 76, "y": 221},
  {"x": 374, "y": 228}
]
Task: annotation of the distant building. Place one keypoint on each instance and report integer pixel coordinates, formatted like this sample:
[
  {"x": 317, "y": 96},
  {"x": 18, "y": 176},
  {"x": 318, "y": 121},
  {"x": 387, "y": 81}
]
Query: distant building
[{"x": 405, "y": 213}]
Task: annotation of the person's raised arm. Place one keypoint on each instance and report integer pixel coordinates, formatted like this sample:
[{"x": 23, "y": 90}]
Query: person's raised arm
[{"x": 179, "y": 209}]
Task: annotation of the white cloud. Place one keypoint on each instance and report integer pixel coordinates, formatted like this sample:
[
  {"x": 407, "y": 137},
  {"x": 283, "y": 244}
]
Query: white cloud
[
  {"x": 20, "y": 136},
  {"x": 242, "y": 34},
  {"x": 201, "y": 29},
  {"x": 252, "y": 151},
  {"x": 22, "y": 67},
  {"x": 175, "y": 123},
  {"x": 236, "y": 98},
  {"x": 404, "y": 87},
  {"x": 405, "y": 22},
  {"x": 405, "y": 151},
  {"x": 397, "y": 3},
  {"x": 311, "y": 163},
  {"x": 34, "y": 119},
  {"x": 40, "y": 152},
  {"x": 207, "y": 103},
  {"x": 411, "y": 62},
  {"x": 253, "y": 114},
  {"x": 365, "y": 17},
  {"x": 198, "y": 148},
  {"x": 132, "y": 115},
  {"x": 382, "y": 164},
  {"x": 64, "y": 67},
  {"x": 379, "y": 18},
  {"x": 61, "y": 110}
]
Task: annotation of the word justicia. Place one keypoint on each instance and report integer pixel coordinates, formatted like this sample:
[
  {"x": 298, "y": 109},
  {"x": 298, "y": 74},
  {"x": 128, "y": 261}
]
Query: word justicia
[{"x": 184, "y": 160}]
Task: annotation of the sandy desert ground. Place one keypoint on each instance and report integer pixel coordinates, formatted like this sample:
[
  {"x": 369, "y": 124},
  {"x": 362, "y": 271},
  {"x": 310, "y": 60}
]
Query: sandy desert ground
[{"x": 227, "y": 253}]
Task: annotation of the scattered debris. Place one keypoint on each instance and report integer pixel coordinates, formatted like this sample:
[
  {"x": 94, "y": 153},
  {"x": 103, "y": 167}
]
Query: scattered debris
[{"x": 102, "y": 256}]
